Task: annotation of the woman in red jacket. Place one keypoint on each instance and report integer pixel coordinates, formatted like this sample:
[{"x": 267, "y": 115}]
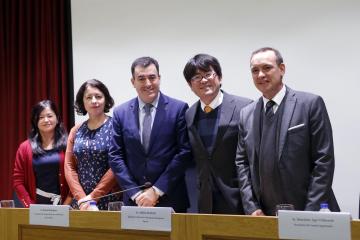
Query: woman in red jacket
[{"x": 39, "y": 164}]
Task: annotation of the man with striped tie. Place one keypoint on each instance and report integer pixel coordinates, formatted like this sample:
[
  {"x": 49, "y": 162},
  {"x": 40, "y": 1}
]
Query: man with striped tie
[{"x": 285, "y": 153}]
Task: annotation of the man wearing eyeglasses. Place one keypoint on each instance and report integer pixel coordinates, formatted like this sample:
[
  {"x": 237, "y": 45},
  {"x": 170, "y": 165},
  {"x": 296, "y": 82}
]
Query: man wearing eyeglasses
[
  {"x": 285, "y": 151},
  {"x": 150, "y": 143},
  {"x": 213, "y": 131}
]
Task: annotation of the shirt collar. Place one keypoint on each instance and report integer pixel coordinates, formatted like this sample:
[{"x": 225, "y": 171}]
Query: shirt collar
[
  {"x": 154, "y": 103},
  {"x": 277, "y": 98},
  {"x": 215, "y": 103}
]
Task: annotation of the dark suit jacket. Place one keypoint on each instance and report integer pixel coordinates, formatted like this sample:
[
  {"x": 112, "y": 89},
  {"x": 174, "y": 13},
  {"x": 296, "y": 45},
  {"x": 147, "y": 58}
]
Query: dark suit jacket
[
  {"x": 306, "y": 153},
  {"x": 220, "y": 163},
  {"x": 168, "y": 156}
]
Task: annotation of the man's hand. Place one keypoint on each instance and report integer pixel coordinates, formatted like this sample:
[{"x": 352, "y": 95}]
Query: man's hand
[
  {"x": 258, "y": 212},
  {"x": 148, "y": 198}
]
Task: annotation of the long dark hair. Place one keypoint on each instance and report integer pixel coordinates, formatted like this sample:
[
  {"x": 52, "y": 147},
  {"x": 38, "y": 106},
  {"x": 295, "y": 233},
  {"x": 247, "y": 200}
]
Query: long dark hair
[{"x": 35, "y": 137}]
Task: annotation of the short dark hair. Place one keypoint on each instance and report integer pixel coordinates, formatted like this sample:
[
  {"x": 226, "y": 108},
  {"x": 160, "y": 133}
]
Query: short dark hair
[
  {"x": 144, "y": 62},
  {"x": 79, "y": 101},
  {"x": 35, "y": 137},
  {"x": 203, "y": 62},
  {"x": 279, "y": 58}
]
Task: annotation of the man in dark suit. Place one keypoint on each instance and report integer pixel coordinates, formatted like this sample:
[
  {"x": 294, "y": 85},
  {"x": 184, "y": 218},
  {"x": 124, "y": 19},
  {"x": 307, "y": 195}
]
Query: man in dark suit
[
  {"x": 213, "y": 130},
  {"x": 150, "y": 142},
  {"x": 285, "y": 151}
]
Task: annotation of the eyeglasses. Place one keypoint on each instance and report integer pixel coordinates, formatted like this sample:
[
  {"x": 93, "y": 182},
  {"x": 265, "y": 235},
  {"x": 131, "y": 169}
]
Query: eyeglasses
[{"x": 207, "y": 76}]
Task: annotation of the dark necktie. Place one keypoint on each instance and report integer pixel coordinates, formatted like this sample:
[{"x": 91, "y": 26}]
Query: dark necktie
[
  {"x": 146, "y": 131},
  {"x": 269, "y": 112}
]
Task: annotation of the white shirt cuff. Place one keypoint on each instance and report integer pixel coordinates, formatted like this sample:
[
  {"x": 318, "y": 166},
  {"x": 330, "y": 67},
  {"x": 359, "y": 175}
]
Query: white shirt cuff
[
  {"x": 158, "y": 191},
  {"x": 133, "y": 197}
]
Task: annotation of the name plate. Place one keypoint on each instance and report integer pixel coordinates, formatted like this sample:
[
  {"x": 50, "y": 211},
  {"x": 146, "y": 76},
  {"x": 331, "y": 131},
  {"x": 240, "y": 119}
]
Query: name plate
[
  {"x": 146, "y": 218},
  {"x": 314, "y": 225},
  {"x": 50, "y": 215}
]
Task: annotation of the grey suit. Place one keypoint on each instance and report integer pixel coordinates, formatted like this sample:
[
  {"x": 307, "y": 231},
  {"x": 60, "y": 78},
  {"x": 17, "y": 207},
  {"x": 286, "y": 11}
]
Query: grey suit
[
  {"x": 217, "y": 170},
  {"x": 306, "y": 153}
]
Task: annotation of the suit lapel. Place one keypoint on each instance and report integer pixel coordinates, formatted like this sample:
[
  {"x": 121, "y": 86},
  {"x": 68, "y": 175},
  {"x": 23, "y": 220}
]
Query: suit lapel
[
  {"x": 226, "y": 114},
  {"x": 191, "y": 125},
  {"x": 134, "y": 118},
  {"x": 160, "y": 115},
  {"x": 285, "y": 122},
  {"x": 256, "y": 124}
]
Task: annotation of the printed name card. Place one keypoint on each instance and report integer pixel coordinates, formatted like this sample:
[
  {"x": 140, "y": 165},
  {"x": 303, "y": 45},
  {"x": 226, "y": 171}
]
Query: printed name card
[
  {"x": 146, "y": 218},
  {"x": 50, "y": 215},
  {"x": 314, "y": 225}
]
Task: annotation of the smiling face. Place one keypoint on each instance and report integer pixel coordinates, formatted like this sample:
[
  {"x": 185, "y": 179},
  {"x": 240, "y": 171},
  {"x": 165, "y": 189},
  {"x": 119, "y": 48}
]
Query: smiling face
[
  {"x": 146, "y": 81},
  {"x": 94, "y": 101},
  {"x": 206, "y": 85},
  {"x": 47, "y": 121},
  {"x": 266, "y": 73}
]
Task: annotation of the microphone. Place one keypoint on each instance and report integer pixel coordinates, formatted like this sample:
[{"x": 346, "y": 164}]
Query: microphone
[{"x": 145, "y": 185}]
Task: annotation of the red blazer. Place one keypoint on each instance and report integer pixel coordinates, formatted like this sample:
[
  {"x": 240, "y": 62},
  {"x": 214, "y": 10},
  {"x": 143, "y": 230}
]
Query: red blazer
[{"x": 24, "y": 177}]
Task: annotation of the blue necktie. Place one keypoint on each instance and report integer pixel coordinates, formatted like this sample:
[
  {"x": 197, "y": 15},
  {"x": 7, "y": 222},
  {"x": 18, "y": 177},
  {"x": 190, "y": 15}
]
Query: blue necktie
[{"x": 146, "y": 131}]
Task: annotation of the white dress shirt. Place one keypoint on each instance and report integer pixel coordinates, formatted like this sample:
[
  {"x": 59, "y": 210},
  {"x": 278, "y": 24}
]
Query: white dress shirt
[
  {"x": 141, "y": 119},
  {"x": 214, "y": 103},
  {"x": 277, "y": 99}
]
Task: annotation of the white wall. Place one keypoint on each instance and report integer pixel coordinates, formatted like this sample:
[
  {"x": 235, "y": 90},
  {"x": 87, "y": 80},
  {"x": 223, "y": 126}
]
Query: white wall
[{"x": 319, "y": 40}]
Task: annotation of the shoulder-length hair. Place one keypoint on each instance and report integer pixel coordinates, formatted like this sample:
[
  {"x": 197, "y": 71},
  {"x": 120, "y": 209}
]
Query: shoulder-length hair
[
  {"x": 79, "y": 102},
  {"x": 60, "y": 137}
]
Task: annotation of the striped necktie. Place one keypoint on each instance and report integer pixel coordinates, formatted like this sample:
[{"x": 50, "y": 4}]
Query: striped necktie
[{"x": 269, "y": 111}]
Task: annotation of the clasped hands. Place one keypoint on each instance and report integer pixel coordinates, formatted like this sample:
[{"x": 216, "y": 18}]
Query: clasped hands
[
  {"x": 148, "y": 198},
  {"x": 84, "y": 202}
]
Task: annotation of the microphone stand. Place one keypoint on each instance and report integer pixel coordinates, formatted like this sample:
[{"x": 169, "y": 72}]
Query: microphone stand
[{"x": 145, "y": 185}]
